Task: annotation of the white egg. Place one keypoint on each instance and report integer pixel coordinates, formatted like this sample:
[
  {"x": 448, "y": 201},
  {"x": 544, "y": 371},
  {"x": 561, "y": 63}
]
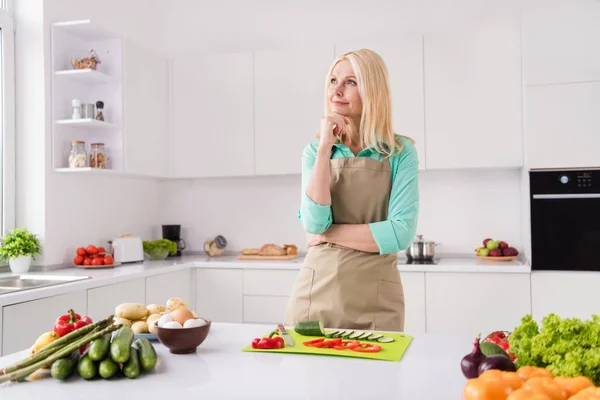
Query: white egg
[
  {"x": 172, "y": 325},
  {"x": 164, "y": 319},
  {"x": 194, "y": 323}
]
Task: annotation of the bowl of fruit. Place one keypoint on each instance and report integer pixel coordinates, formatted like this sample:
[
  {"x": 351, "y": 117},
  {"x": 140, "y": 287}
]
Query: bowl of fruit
[{"x": 496, "y": 250}]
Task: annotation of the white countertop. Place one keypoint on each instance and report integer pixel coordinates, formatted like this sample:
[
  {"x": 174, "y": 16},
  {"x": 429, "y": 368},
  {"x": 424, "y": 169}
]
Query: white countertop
[
  {"x": 430, "y": 369},
  {"x": 103, "y": 277}
]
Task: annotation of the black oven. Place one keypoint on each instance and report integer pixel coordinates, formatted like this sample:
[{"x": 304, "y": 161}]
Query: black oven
[{"x": 565, "y": 220}]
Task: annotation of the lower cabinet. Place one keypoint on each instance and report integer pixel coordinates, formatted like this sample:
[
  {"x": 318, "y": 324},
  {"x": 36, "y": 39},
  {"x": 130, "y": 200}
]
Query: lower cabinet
[
  {"x": 160, "y": 288},
  {"x": 23, "y": 323},
  {"x": 476, "y": 302},
  {"x": 265, "y": 309},
  {"x": 266, "y": 294},
  {"x": 219, "y": 294},
  {"x": 102, "y": 301},
  {"x": 413, "y": 284}
]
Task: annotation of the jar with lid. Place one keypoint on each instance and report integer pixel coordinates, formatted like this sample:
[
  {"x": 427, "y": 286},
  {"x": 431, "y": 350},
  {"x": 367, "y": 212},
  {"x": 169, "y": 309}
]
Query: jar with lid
[
  {"x": 97, "y": 156},
  {"x": 77, "y": 156}
]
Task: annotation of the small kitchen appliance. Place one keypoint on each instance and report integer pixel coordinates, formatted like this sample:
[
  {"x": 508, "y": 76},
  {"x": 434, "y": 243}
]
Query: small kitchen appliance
[
  {"x": 127, "y": 249},
  {"x": 173, "y": 233}
]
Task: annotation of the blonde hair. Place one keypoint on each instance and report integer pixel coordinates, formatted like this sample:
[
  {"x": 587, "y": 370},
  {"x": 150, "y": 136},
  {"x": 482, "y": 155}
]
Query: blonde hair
[{"x": 374, "y": 90}]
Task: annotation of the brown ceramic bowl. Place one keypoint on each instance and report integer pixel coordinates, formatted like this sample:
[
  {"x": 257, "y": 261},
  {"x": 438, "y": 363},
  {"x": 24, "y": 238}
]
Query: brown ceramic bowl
[{"x": 184, "y": 340}]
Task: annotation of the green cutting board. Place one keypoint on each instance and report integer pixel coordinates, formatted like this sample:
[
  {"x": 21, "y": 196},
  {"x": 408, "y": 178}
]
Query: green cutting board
[{"x": 389, "y": 351}]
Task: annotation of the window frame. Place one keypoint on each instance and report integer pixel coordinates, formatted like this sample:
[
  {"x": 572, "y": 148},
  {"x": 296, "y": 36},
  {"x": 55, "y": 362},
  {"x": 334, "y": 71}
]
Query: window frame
[{"x": 7, "y": 85}]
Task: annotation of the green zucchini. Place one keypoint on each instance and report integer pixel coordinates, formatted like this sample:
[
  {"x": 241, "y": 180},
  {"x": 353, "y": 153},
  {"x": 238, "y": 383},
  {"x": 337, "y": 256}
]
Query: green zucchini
[
  {"x": 309, "y": 328},
  {"x": 385, "y": 339}
]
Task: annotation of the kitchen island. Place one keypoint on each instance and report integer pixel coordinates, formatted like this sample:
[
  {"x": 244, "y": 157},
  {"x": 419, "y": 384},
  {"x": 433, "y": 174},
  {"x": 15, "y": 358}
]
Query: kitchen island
[{"x": 430, "y": 369}]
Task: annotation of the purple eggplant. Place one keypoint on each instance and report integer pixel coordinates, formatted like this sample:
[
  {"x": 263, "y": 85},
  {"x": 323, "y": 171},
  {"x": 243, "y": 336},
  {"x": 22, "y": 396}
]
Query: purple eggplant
[
  {"x": 496, "y": 361},
  {"x": 470, "y": 363}
]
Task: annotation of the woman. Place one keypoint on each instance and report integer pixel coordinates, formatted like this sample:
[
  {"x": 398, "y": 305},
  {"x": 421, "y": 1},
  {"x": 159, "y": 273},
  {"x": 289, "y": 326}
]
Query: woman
[{"x": 359, "y": 205}]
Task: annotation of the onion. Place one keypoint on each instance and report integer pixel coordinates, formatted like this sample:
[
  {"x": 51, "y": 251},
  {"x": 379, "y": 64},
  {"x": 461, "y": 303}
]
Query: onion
[
  {"x": 470, "y": 363},
  {"x": 496, "y": 361}
]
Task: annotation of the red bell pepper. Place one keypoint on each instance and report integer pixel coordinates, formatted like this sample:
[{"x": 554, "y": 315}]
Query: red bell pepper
[
  {"x": 347, "y": 345},
  {"x": 69, "y": 322},
  {"x": 328, "y": 343},
  {"x": 311, "y": 342},
  {"x": 268, "y": 343},
  {"x": 367, "y": 348}
]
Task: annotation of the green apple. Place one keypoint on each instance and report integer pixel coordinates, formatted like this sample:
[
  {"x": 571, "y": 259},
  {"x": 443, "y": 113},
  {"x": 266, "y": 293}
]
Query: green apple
[
  {"x": 492, "y": 244},
  {"x": 483, "y": 252}
]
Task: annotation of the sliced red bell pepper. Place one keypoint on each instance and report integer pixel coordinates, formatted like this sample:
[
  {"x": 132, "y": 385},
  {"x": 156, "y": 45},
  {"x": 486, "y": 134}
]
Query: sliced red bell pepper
[
  {"x": 329, "y": 343},
  {"x": 311, "y": 342},
  {"x": 367, "y": 348},
  {"x": 347, "y": 345}
]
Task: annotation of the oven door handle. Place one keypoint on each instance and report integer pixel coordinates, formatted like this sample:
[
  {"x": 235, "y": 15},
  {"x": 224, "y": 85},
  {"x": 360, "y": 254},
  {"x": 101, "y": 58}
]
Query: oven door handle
[{"x": 566, "y": 196}]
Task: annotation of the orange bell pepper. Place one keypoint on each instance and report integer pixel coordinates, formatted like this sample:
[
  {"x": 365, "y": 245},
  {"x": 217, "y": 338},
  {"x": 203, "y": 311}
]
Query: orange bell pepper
[
  {"x": 528, "y": 372},
  {"x": 590, "y": 393},
  {"x": 493, "y": 384},
  {"x": 524, "y": 394},
  {"x": 574, "y": 385},
  {"x": 545, "y": 386}
]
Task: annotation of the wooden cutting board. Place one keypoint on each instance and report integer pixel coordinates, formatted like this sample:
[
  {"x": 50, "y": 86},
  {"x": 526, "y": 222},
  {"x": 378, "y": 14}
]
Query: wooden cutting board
[
  {"x": 389, "y": 351},
  {"x": 263, "y": 258}
]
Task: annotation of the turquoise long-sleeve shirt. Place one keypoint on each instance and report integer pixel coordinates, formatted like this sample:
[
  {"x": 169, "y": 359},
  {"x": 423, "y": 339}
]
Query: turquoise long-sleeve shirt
[{"x": 392, "y": 235}]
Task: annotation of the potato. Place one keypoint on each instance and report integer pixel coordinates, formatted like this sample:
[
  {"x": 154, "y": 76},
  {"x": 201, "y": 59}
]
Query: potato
[
  {"x": 151, "y": 320},
  {"x": 155, "y": 309},
  {"x": 131, "y": 311},
  {"x": 122, "y": 321},
  {"x": 175, "y": 303},
  {"x": 139, "y": 327}
]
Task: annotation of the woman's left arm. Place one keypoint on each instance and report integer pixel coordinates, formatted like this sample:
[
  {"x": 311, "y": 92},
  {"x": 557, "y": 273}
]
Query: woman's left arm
[{"x": 398, "y": 231}]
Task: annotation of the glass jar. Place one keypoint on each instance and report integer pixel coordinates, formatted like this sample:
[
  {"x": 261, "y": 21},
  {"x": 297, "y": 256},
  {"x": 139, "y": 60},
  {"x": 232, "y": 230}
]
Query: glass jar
[
  {"x": 77, "y": 156},
  {"x": 97, "y": 156}
]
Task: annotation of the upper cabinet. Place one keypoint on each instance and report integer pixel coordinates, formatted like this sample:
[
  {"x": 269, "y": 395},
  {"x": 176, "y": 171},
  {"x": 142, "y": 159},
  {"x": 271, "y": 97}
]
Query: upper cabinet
[
  {"x": 146, "y": 87},
  {"x": 473, "y": 90},
  {"x": 560, "y": 44},
  {"x": 213, "y": 115},
  {"x": 403, "y": 56},
  {"x": 289, "y": 96}
]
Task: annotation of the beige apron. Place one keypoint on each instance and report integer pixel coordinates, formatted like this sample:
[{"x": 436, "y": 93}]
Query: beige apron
[{"x": 346, "y": 288}]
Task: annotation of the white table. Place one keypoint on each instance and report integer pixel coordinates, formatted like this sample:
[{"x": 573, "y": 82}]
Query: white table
[{"x": 430, "y": 369}]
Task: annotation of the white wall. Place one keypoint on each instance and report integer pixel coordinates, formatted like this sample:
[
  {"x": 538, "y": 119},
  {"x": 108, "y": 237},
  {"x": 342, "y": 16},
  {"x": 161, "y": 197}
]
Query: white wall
[{"x": 458, "y": 209}]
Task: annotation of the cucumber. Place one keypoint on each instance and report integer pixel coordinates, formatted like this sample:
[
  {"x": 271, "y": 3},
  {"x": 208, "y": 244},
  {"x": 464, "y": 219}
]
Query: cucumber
[
  {"x": 64, "y": 367},
  {"x": 131, "y": 369},
  {"x": 309, "y": 328},
  {"x": 331, "y": 334},
  {"x": 385, "y": 339},
  {"x": 364, "y": 336},
  {"x": 346, "y": 334},
  {"x": 99, "y": 348},
  {"x": 375, "y": 336},
  {"x": 355, "y": 335},
  {"x": 108, "y": 368},
  {"x": 146, "y": 352},
  {"x": 87, "y": 368},
  {"x": 120, "y": 348}
]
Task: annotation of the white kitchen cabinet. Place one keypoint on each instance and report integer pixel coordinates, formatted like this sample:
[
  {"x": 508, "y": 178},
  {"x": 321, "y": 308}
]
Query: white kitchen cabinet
[
  {"x": 413, "y": 284},
  {"x": 403, "y": 56},
  {"x": 560, "y": 44},
  {"x": 160, "y": 288},
  {"x": 269, "y": 282},
  {"x": 567, "y": 294},
  {"x": 265, "y": 309},
  {"x": 289, "y": 99},
  {"x": 563, "y": 125},
  {"x": 219, "y": 294},
  {"x": 475, "y": 302},
  {"x": 213, "y": 115},
  {"x": 102, "y": 301},
  {"x": 473, "y": 115},
  {"x": 146, "y": 86},
  {"x": 23, "y": 323}
]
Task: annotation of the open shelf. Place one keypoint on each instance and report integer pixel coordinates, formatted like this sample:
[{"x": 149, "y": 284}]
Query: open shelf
[
  {"x": 87, "y": 123},
  {"x": 85, "y": 30},
  {"x": 84, "y": 75}
]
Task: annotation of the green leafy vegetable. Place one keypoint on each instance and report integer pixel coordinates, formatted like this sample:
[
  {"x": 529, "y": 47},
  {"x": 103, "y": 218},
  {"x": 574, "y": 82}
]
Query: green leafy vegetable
[
  {"x": 566, "y": 347},
  {"x": 152, "y": 245}
]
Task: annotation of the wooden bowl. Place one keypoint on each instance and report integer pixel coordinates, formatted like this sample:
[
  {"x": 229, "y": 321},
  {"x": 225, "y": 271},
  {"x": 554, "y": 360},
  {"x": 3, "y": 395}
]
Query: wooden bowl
[{"x": 184, "y": 340}]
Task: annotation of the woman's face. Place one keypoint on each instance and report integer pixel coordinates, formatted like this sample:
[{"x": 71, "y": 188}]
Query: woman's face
[{"x": 342, "y": 92}]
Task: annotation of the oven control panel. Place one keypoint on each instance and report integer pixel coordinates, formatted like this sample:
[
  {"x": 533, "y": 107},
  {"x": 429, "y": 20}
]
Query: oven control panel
[{"x": 564, "y": 181}]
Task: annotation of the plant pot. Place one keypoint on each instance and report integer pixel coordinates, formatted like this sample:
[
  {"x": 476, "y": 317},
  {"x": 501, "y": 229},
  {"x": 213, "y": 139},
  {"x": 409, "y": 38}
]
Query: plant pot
[{"x": 20, "y": 264}]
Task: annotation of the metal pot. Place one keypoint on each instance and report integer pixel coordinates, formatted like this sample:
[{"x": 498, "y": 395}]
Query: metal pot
[{"x": 421, "y": 250}]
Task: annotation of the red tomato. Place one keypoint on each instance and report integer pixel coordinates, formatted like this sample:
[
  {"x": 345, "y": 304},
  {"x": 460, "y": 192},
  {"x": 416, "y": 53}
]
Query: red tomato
[
  {"x": 101, "y": 251},
  {"x": 81, "y": 252},
  {"x": 108, "y": 260},
  {"x": 91, "y": 249},
  {"x": 98, "y": 261},
  {"x": 87, "y": 261},
  {"x": 78, "y": 260}
]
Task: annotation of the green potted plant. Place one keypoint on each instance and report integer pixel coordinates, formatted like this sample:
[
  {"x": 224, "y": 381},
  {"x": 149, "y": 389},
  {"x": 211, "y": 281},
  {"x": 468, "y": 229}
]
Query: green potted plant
[{"x": 19, "y": 247}]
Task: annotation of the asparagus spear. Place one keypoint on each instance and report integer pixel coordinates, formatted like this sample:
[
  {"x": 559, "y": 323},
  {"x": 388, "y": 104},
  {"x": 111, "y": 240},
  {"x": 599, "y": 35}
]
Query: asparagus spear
[
  {"x": 62, "y": 352},
  {"x": 56, "y": 345}
]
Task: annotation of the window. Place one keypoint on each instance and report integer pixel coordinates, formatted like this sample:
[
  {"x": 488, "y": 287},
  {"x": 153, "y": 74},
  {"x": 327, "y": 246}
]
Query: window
[{"x": 7, "y": 116}]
